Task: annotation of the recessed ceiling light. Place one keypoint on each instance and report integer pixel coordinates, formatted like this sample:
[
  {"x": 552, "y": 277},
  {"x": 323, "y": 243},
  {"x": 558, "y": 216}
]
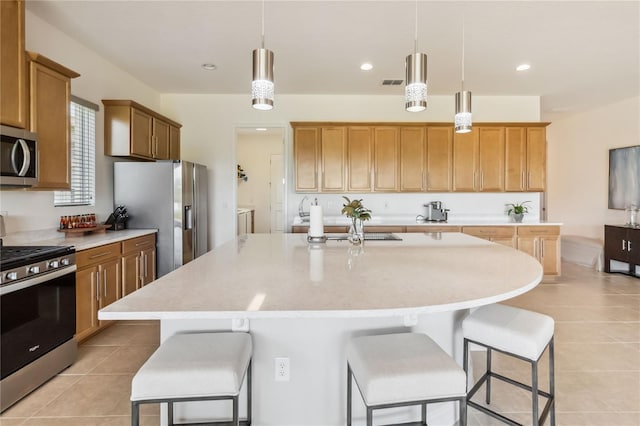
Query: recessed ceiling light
[
  {"x": 261, "y": 129},
  {"x": 523, "y": 67},
  {"x": 209, "y": 67},
  {"x": 366, "y": 67}
]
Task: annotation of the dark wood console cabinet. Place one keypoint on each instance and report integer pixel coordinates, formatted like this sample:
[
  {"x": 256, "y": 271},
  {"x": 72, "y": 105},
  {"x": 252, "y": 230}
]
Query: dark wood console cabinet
[{"x": 622, "y": 244}]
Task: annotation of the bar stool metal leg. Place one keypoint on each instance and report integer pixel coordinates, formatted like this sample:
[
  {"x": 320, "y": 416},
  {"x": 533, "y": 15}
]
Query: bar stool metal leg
[
  {"x": 552, "y": 387},
  {"x": 249, "y": 393},
  {"x": 488, "y": 397},
  {"x": 534, "y": 391},
  {"x": 424, "y": 414},
  {"x": 349, "y": 374},
  {"x": 369, "y": 416},
  {"x": 170, "y": 412},
  {"x": 135, "y": 413},
  {"x": 463, "y": 412}
]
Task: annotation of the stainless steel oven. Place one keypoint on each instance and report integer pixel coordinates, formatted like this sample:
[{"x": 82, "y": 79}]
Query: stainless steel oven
[
  {"x": 18, "y": 157},
  {"x": 38, "y": 317}
]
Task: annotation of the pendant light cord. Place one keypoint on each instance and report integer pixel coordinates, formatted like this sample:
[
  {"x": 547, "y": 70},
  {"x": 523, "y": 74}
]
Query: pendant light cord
[
  {"x": 463, "y": 51},
  {"x": 415, "y": 36},
  {"x": 262, "y": 34}
]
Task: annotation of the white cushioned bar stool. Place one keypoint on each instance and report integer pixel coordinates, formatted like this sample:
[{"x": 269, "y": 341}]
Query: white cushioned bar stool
[
  {"x": 403, "y": 369},
  {"x": 195, "y": 367},
  {"x": 518, "y": 333}
]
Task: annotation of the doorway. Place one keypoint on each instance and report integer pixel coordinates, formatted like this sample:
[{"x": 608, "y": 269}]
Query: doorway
[{"x": 261, "y": 179}]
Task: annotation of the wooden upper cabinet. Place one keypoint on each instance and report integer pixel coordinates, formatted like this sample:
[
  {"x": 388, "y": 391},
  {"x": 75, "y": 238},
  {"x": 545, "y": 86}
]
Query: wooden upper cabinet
[
  {"x": 333, "y": 148},
  {"x": 526, "y": 156},
  {"x": 412, "y": 159},
  {"x": 385, "y": 152},
  {"x": 306, "y": 150},
  {"x": 50, "y": 95},
  {"x": 536, "y": 158},
  {"x": 174, "y": 143},
  {"x": 439, "y": 159},
  {"x": 133, "y": 130},
  {"x": 13, "y": 69},
  {"x": 359, "y": 159},
  {"x": 465, "y": 160},
  {"x": 491, "y": 158},
  {"x": 515, "y": 159},
  {"x": 160, "y": 139}
]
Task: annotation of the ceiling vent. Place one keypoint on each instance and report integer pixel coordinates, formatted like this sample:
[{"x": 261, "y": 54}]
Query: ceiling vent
[{"x": 392, "y": 82}]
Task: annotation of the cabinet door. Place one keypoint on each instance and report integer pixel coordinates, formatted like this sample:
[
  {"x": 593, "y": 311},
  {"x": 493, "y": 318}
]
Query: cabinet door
[
  {"x": 412, "y": 159},
  {"x": 141, "y": 132},
  {"x": 130, "y": 273},
  {"x": 550, "y": 255},
  {"x": 333, "y": 146},
  {"x": 465, "y": 159},
  {"x": 50, "y": 92},
  {"x": 536, "y": 159},
  {"x": 148, "y": 266},
  {"x": 109, "y": 284},
  {"x": 13, "y": 74},
  {"x": 86, "y": 302},
  {"x": 385, "y": 163},
  {"x": 306, "y": 148},
  {"x": 160, "y": 139},
  {"x": 615, "y": 245},
  {"x": 528, "y": 245},
  {"x": 439, "y": 158},
  {"x": 515, "y": 158},
  {"x": 491, "y": 158},
  {"x": 174, "y": 143},
  {"x": 359, "y": 155}
]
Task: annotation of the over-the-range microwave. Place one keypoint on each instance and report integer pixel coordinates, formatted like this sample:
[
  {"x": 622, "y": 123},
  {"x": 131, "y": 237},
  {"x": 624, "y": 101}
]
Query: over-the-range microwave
[{"x": 18, "y": 157}]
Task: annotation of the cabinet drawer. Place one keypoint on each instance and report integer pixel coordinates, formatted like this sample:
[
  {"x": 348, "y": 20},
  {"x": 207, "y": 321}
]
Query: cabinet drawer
[
  {"x": 97, "y": 255},
  {"x": 429, "y": 228},
  {"x": 490, "y": 231},
  {"x": 538, "y": 231},
  {"x": 137, "y": 244}
]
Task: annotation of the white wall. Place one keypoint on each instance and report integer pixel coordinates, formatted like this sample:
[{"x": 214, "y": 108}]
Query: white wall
[
  {"x": 209, "y": 122},
  {"x": 254, "y": 152},
  {"x": 578, "y": 165},
  {"x": 99, "y": 79}
]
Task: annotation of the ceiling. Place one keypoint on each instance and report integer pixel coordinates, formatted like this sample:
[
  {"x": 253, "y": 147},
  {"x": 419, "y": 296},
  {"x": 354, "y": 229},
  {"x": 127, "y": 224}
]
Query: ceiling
[{"x": 582, "y": 54}]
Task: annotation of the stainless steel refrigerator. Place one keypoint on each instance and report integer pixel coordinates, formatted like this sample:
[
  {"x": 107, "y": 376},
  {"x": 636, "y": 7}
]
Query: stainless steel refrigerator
[{"x": 170, "y": 196}]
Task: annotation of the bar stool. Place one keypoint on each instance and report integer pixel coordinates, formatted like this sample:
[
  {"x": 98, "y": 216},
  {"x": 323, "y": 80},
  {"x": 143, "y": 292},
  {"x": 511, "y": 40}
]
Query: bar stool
[
  {"x": 518, "y": 333},
  {"x": 195, "y": 367},
  {"x": 404, "y": 369}
]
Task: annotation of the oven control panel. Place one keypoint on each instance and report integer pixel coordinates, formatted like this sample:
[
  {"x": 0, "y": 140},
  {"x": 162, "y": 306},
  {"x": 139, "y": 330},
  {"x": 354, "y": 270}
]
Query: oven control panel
[{"x": 36, "y": 269}]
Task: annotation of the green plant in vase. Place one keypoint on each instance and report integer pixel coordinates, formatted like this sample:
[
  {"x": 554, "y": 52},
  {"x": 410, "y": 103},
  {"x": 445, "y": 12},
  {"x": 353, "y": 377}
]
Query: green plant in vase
[
  {"x": 355, "y": 211},
  {"x": 517, "y": 210}
]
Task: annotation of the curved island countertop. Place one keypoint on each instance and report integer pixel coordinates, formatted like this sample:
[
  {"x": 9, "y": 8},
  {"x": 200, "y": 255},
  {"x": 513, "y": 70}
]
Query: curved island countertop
[{"x": 282, "y": 276}]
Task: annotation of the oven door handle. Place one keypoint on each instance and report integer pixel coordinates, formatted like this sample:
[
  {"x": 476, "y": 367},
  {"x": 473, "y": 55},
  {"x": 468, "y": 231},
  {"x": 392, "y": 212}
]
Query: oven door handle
[{"x": 10, "y": 288}]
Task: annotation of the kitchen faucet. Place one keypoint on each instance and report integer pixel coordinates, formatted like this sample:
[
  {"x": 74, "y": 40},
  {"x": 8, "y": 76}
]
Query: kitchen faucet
[{"x": 301, "y": 211}]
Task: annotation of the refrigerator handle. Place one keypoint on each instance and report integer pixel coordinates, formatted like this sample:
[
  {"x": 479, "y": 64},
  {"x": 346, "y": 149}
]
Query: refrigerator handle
[{"x": 188, "y": 217}]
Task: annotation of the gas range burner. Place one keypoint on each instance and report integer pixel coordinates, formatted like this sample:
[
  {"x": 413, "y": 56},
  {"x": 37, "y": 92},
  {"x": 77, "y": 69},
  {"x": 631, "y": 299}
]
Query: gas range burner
[{"x": 15, "y": 256}]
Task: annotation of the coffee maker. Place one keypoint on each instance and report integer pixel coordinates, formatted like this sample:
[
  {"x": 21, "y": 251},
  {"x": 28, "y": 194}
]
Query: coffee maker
[{"x": 435, "y": 212}]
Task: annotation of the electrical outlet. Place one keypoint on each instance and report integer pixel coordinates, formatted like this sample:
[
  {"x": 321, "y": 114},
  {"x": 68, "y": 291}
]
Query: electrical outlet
[{"x": 282, "y": 369}]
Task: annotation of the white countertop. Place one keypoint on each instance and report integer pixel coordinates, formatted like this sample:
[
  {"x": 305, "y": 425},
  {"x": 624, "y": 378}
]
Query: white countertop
[
  {"x": 282, "y": 276},
  {"x": 403, "y": 220},
  {"x": 80, "y": 242}
]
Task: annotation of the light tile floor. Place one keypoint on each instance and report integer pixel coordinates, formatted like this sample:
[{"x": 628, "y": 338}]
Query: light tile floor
[{"x": 597, "y": 363}]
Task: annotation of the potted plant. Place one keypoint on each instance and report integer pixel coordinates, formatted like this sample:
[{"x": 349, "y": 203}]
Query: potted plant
[
  {"x": 357, "y": 213},
  {"x": 517, "y": 210}
]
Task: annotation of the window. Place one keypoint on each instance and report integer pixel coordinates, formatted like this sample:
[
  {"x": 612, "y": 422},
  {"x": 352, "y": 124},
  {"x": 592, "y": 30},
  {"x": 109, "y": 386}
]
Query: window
[{"x": 83, "y": 156}]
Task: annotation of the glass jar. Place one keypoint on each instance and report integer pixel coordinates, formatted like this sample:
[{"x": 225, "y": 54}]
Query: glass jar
[
  {"x": 632, "y": 215},
  {"x": 356, "y": 231}
]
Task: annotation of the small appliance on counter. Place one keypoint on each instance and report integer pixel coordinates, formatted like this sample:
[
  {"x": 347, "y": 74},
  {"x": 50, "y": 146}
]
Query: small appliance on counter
[
  {"x": 435, "y": 213},
  {"x": 118, "y": 219}
]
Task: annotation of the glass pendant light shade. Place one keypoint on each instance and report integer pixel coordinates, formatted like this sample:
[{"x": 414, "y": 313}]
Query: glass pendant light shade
[
  {"x": 415, "y": 92},
  {"x": 262, "y": 84},
  {"x": 462, "y": 120}
]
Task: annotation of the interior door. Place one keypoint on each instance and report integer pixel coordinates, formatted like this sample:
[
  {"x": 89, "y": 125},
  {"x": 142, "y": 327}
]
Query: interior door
[{"x": 277, "y": 193}]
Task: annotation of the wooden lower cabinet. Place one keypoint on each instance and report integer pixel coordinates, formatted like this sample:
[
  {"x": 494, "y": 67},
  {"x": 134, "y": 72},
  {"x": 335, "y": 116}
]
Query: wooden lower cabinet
[
  {"x": 98, "y": 282},
  {"x": 138, "y": 263},
  {"x": 543, "y": 243},
  {"x": 106, "y": 273}
]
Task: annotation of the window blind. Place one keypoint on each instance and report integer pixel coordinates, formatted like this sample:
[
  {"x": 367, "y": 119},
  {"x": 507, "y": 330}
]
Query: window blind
[{"x": 83, "y": 156}]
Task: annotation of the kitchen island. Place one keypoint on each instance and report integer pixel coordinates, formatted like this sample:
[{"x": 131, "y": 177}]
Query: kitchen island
[{"x": 305, "y": 301}]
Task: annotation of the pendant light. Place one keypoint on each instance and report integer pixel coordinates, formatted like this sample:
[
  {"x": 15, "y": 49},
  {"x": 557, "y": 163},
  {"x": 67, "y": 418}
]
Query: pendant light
[
  {"x": 262, "y": 84},
  {"x": 463, "y": 120},
  {"x": 415, "y": 91}
]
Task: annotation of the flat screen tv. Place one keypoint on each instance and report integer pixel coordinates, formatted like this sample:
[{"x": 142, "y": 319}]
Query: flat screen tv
[{"x": 624, "y": 177}]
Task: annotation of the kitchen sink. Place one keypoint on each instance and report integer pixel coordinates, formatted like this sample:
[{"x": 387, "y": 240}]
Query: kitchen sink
[{"x": 368, "y": 236}]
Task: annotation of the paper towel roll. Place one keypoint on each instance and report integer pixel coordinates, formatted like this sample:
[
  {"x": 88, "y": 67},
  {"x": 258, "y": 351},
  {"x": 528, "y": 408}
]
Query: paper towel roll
[{"x": 316, "y": 225}]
